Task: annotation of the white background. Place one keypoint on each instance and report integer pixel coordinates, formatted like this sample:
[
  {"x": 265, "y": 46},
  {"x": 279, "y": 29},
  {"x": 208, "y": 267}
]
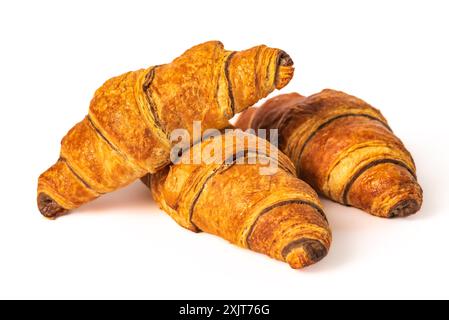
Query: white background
[{"x": 54, "y": 54}]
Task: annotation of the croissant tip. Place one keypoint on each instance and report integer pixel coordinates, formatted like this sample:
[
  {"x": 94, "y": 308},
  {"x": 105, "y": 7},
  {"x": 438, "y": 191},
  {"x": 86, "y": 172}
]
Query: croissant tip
[
  {"x": 305, "y": 252},
  {"x": 284, "y": 59},
  {"x": 48, "y": 207},
  {"x": 285, "y": 70},
  {"x": 404, "y": 208}
]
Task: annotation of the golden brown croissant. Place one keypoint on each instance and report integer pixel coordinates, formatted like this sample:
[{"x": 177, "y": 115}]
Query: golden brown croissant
[
  {"x": 277, "y": 215},
  {"x": 343, "y": 148},
  {"x": 126, "y": 132}
]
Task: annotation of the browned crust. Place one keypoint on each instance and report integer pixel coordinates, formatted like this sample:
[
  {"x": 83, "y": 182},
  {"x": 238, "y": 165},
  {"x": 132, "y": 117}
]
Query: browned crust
[
  {"x": 285, "y": 203},
  {"x": 328, "y": 122},
  {"x": 80, "y": 179},
  {"x": 97, "y": 131},
  {"x": 369, "y": 166},
  {"x": 229, "y": 83},
  {"x": 386, "y": 190},
  {"x": 152, "y": 108}
]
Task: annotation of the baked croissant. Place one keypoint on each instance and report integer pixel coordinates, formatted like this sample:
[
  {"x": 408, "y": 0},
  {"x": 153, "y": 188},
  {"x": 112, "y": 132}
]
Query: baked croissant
[
  {"x": 277, "y": 215},
  {"x": 126, "y": 132},
  {"x": 343, "y": 148}
]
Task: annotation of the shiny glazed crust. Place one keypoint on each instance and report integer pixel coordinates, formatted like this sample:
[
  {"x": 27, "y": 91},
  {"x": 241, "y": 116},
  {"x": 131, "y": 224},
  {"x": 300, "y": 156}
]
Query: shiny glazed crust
[
  {"x": 344, "y": 148},
  {"x": 277, "y": 215},
  {"x": 126, "y": 132}
]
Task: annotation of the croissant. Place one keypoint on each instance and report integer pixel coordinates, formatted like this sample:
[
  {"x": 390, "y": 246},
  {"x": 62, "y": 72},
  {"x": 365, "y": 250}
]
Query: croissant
[
  {"x": 277, "y": 214},
  {"x": 344, "y": 148},
  {"x": 126, "y": 133}
]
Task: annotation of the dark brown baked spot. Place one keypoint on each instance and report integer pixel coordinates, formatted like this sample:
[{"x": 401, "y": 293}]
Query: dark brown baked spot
[
  {"x": 228, "y": 80},
  {"x": 149, "y": 77},
  {"x": 315, "y": 249},
  {"x": 284, "y": 60},
  {"x": 48, "y": 206},
  {"x": 404, "y": 208}
]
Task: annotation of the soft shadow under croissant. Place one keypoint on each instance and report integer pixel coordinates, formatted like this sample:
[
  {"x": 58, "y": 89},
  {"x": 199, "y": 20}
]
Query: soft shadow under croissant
[{"x": 344, "y": 148}]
